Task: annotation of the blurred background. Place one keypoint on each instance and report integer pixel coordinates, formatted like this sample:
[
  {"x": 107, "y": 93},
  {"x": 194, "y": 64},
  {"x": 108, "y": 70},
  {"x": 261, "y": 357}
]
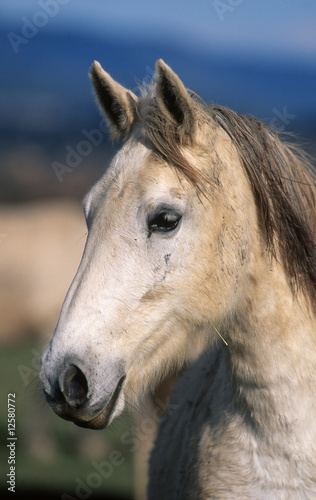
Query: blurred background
[{"x": 256, "y": 57}]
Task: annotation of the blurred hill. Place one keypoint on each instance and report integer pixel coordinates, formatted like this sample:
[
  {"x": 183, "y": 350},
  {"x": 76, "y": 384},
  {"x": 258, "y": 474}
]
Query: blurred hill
[
  {"x": 41, "y": 244},
  {"x": 46, "y": 100}
]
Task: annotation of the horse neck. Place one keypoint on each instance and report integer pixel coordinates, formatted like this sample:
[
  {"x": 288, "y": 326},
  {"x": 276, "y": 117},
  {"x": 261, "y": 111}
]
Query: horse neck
[{"x": 272, "y": 350}]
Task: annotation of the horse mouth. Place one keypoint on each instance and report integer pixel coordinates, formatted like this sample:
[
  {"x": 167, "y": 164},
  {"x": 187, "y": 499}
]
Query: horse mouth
[
  {"x": 105, "y": 416},
  {"x": 80, "y": 416}
]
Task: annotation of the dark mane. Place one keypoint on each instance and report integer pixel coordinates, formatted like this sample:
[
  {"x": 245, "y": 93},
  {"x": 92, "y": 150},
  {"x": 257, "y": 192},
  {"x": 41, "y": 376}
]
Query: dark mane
[{"x": 281, "y": 178}]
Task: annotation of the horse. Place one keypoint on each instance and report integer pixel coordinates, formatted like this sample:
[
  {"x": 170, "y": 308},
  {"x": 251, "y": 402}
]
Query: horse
[{"x": 199, "y": 261}]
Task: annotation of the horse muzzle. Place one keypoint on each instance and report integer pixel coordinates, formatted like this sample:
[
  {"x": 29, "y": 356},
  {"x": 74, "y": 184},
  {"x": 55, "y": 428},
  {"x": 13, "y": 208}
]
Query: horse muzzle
[{"x": 76, "y": 396}]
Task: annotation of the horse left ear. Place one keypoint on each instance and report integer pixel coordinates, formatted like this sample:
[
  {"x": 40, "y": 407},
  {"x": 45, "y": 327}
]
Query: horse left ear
[
  {"x": 117, "y": 103},
  {"x": 174, "y": 100}
]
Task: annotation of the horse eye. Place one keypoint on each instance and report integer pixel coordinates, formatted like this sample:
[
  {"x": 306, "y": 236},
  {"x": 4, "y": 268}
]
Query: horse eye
[{"x": 163, "y": 222}]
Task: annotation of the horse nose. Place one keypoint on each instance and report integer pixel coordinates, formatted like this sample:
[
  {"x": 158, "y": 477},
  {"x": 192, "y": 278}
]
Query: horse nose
[{"x": 74, "y": 386}]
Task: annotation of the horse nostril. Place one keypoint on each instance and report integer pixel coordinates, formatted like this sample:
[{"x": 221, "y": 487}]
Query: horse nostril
[{"x": 74, "y": 386}]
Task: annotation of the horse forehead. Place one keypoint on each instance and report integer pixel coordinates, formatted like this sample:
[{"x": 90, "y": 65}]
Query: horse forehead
[
  {"x": 132, "y": 155},
  {"x": 137, "y": 165},
  {"x": 122, "y": 167},
  {"x": 135, "y": 171}
]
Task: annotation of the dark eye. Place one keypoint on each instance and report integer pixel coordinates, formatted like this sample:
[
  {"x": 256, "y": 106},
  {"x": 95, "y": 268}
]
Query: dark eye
[{"x": 163, "y": 221}]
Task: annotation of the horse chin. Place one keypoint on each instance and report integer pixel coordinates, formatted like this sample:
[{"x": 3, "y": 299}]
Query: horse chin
[
  {"x": 105, "y": 417},
  {"x": 101, "y": 421}
]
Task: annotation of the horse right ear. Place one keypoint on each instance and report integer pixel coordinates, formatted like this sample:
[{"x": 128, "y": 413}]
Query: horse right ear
[
  {"x": 174, "y": 100},
  {"x": 116, "y": 102}
]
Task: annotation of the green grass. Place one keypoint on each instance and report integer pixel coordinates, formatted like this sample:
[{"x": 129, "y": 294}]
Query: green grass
[{"x": 50, "y": 452}]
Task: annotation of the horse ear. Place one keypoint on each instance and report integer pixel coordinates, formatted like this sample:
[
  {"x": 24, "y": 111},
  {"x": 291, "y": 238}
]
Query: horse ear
[
  {"x": 116, "y": 102},
  {"x": 173, "y": 99}
]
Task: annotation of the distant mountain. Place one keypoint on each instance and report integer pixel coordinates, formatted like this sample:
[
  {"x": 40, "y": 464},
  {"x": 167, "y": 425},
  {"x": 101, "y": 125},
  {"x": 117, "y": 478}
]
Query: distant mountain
[
  {"x": 46, "y": 98},
  {"x": 51, "y": 71}
]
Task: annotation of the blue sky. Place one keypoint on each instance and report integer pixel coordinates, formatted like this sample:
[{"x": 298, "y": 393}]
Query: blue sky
[
  {"x": 280, "y": 28},
  {"x": 246, "y": 44}
]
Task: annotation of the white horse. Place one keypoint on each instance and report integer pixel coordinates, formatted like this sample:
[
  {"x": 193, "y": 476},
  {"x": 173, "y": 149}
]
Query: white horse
[{"x": 201, "y": 238}]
